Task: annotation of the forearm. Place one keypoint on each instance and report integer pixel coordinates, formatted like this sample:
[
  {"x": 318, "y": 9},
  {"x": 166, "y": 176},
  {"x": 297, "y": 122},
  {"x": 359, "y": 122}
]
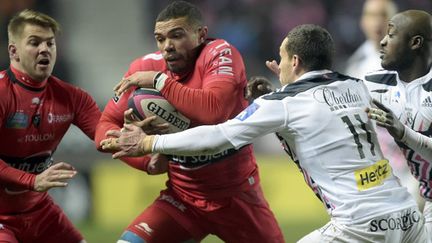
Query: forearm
[
  {"x": 192, "y": 142},
  {"x": 418, "y": 142},
  {"x": 13, "y": 177}
]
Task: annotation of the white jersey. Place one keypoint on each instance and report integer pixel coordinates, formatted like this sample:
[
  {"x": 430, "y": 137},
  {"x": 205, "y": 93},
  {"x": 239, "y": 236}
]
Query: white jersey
[
  {"x": 364, "y": 60},
  {"x": 322, "y": 123},
  {"x": 412, "y": 104}
]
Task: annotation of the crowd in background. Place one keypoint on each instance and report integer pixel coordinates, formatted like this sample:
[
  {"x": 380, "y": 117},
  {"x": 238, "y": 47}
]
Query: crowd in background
[{"x": 255, "y": 27}]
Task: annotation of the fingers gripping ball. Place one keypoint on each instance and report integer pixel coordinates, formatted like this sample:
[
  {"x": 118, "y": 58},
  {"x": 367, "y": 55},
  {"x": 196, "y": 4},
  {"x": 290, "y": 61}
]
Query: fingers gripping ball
[{"x": 150, "y": 102}]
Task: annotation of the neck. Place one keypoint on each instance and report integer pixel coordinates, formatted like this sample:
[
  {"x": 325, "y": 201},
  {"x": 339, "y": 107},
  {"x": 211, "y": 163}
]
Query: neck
[{"x": 416, "y": 70}]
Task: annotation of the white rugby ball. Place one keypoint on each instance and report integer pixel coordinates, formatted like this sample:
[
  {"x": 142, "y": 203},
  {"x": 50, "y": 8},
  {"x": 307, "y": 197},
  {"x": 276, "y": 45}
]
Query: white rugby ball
[{"x": 150, "y": 102}]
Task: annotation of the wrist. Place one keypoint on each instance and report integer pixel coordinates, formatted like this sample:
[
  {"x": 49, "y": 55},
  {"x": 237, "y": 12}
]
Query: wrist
[
  {"x": 159, "y": 80},
  {"x": 146, "y": 144}
]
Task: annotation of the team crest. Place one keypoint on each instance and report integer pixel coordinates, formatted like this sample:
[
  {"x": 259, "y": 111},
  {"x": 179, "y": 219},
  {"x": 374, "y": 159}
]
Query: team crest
[{"x": 247, "y": 112}]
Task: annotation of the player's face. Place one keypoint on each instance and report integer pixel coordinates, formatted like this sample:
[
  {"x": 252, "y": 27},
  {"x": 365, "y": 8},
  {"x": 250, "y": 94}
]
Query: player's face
[
  {"x": 179, "y": 42},
  {"x": 286, "y": 74},
  {"x": 34, "y": 52},
  {"x": 374, "y": 19},
  {"x": 395, "y": 49}
]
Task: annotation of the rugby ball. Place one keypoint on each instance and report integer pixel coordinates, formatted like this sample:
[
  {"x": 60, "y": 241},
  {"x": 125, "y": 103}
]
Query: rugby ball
[{"x": 150, "y": 102}]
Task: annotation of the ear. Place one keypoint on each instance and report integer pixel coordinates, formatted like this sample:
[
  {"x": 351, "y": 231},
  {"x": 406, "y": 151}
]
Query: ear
[
  {"x": 13, "y": 52},
  {"x": 202, "y": 32},
  {"x": 295, "y": 62},
  {"x": 417, "y": 42}
]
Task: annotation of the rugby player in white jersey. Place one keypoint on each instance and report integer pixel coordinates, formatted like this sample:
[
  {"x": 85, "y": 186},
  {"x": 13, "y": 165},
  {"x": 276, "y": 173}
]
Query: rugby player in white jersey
[
  {"x": 405, "y": 88},
  {"x": 320, "y": 118}
]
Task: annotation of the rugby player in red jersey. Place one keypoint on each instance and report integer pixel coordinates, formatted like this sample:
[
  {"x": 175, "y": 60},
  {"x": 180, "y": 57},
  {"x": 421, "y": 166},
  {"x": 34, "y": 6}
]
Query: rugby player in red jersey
[
  {"x": 205, "y": 80},
  {"x": 36, "y": 110}
]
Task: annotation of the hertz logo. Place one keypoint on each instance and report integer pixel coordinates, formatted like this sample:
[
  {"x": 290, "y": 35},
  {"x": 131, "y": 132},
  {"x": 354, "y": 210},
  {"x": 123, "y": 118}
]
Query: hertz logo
[{"x": 373, "y": 175}]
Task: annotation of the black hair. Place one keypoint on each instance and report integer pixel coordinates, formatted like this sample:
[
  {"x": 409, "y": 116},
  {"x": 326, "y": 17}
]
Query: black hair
[
  {"x": 179, "y": 9},
  {"x": 313, "y": 44}
]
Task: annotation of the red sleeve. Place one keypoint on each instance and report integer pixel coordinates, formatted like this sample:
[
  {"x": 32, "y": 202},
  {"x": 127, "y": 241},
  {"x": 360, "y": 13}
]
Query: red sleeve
[
  {"x": 112, "y": 119},
  {"x": 14, "y": 177},
  {"x": 210, "y": 105},
  {"x": 222, "y": 75},
  {"x": 87, "y": 113}
]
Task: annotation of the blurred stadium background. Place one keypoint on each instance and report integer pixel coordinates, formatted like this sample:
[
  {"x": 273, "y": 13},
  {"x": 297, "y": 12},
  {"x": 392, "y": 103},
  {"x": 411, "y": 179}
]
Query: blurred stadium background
[{"x": 99, "y": 40}]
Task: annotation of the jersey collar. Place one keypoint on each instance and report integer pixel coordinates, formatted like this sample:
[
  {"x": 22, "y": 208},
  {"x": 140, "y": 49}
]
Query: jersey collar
[{"x": 24, "y": 80}]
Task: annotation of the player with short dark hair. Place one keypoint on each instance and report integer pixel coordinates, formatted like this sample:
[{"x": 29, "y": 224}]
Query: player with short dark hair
[
  {"x": 403, "y": 94},
  {"x": 319, "y": 118},
  {"x": 36, "y": 110},
  {"x": 205, "y": 80}
]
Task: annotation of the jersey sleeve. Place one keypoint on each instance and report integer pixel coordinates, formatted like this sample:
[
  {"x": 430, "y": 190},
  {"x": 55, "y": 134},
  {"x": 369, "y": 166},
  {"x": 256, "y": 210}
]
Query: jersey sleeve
[
  {"x": 418, "y": 142},
  {"x": 255, "y": 121},
  {"x": 87, "y": 113},
  {"x": 112, "y": 118},
  {"x": 222, "y": 76},
  {"x": 14, "y": 177}
]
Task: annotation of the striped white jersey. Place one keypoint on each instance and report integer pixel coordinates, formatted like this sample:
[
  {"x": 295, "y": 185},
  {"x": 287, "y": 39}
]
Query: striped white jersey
[
  {"x": 322, "y": 123},
  {"x": 412, "y": 104}
]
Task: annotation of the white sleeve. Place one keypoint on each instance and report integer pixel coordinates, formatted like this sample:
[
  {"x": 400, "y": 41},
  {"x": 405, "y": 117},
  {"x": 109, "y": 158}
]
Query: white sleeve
[
  {"x": 195, "y": 141},
  {"x": 418, "y": 142},
  {"x": 255, "y": 121}
]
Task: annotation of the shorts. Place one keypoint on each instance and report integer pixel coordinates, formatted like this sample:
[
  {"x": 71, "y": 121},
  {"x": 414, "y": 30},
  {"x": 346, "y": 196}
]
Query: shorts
[
  {"x": 46, "y": 223},
  {"x": 427, "y": 212},
  {"x": 245, "y": 217},
  {"x": 405, "y": 226}
]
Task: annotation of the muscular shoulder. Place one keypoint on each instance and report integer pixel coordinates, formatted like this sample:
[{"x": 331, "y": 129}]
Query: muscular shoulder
[
  {"x": 4, "y": 83},
  {"x": 66, "y": 90},
  {"x": 216, "y": 47},
  {"x": 148, "y": 62},
  {"x": 383, "y": 77}
]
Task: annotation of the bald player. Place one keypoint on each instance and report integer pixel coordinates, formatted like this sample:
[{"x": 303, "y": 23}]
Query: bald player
[{"x": 404, "y": 94}]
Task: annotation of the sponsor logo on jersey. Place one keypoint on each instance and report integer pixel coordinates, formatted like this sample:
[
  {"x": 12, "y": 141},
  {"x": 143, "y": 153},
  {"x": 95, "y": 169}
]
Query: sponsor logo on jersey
[
  {"x": 59, "y": 118},
  {"x": 373, "y": 175},
  {"x": 38, "y": 137},
  {"x": 338, "y": 100},
  {"x": 247, "y": 112},
  {"x": 116, "y": 98},
  {"x": 427, "y": 102},
  {"x": 173, "y": 202},
  {"x": 19, "y": 120},
  {"x": 200, "y": 158},
  {"x": 404, "y": 222},
  {"x": 144, "y": 227}
]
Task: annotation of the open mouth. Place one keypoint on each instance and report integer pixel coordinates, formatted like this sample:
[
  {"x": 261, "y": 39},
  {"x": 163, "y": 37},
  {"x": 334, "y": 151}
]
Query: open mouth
[{"x": 43, "y": 62}]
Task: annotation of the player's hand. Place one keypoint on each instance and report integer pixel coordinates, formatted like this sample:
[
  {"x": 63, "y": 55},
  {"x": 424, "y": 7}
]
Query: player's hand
[
  {"x": 274, "y": 67},
  {"x": 142, "y": 79},
  {"x": 158, "y": 164},
  {"x": 56, "y": 175},
  {"x": 384, "y": 117},
  {"x": 257, "y": 86},
  {"x": 128, "y": 141},
  {"x": 147, "y": 125}
]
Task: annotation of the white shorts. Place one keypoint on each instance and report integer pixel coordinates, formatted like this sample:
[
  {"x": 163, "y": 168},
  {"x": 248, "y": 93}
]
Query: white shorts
[
  {"x": 402, "y": 226},
  {"x": 427, "y": 212}
]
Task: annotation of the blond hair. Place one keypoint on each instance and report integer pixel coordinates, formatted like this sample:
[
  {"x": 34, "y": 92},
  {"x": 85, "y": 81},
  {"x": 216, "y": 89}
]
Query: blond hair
[{"x": 20, "y": 20}]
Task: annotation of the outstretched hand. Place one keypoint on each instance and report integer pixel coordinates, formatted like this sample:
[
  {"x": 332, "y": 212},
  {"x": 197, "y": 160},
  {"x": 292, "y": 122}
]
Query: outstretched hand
[
  {"x": 142, "y": 79},
  {"x": 147, "y": 125},
  {"x": 56, "y": 175},
  {"x": 128, "y": 141},
  {"x": 257, "y": 86},
  {"x": 274, "y": 67},
  {"x": 384, "y": 117}
]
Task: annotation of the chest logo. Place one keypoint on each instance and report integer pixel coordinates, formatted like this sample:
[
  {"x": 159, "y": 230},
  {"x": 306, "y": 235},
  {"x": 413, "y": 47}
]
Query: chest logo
[{"x": 18, "y": 120}]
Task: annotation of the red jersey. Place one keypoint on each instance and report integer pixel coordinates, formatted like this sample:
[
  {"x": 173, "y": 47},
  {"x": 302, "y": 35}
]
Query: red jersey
[
  {"x": 211, "y": 93},
  {"x": 34, "y": 118}
]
